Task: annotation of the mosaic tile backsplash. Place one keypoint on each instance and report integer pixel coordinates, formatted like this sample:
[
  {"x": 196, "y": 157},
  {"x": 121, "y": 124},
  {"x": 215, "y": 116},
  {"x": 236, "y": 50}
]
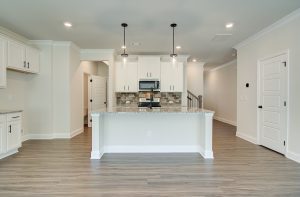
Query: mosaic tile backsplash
[{"x": 170, "y": 99}]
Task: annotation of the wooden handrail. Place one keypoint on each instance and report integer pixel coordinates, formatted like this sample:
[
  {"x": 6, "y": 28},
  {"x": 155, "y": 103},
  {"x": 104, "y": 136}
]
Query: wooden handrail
[{"x": 193, "y": 100}]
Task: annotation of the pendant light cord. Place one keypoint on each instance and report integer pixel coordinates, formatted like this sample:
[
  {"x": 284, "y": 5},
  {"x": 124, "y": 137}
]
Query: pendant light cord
[
  {"x": 124, "y": 42},
  {"x": 173, "y": 40}
]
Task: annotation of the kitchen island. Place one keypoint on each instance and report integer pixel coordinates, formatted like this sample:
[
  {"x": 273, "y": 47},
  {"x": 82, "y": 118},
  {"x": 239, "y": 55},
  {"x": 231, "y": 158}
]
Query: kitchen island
[{"x": 156, "y": 130}]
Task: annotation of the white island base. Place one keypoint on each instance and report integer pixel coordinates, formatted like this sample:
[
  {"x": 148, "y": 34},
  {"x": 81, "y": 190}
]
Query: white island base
[{"x": 135, "y": 130}]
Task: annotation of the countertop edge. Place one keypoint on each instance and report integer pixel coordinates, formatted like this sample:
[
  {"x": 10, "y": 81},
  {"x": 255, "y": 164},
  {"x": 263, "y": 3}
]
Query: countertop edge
[{"x": 10, "y": 111}]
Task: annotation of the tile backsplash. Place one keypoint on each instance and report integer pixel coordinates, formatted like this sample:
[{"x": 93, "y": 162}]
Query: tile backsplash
[
  {"x": 127, "y": 99},
  {"x": 167, "y": 99},
  {"x": 170, "y": 99}
]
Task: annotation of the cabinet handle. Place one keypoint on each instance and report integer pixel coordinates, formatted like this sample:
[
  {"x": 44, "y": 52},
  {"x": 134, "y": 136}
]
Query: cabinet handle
[
  {"x": 150, "y": 74},
  {"x": 147, "y": 74},
  {"x": 173, "y": 87},
  {"x": 128, "y": 87},
  {"x": 170, "y": 87},
  {"x": 27, "y": 64},
  {"x": 9, "y": 129},
  {"x": 124, "y": 87},
  {"x": 16, "y": 117},
  {"x": 24, "y": 64}
]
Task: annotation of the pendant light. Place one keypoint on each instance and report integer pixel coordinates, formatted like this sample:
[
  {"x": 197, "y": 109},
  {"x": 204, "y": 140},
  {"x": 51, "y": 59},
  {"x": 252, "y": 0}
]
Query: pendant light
[
  {"x": 124, "y": 54},
  {"x": 173, "y": 55}
]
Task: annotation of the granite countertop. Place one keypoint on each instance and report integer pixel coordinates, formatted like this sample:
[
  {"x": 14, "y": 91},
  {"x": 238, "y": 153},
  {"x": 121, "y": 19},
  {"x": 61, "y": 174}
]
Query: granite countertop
[
  {"x": 153, "y": 110},
  {"x": 9, "y": 111}
]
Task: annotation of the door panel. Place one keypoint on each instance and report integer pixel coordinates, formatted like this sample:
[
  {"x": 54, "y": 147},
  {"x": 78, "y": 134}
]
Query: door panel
[
  {"x": 132, "y": 76},
  {"x": 273, "y": 95},
  {"x": 120, "y": 77},
  {"x": 97, "y": 94},
  {"x": 16, "y": 55},
  {"x": 32, "y": 58},
  {"x": 2, "y": 137},
  {"x": 13, "y": 135}
]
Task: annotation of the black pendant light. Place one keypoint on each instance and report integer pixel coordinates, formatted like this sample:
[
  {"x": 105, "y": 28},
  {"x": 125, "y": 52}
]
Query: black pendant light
[
  {"x": 124, "y": 54},
  {"x": 173, "y": 55}
]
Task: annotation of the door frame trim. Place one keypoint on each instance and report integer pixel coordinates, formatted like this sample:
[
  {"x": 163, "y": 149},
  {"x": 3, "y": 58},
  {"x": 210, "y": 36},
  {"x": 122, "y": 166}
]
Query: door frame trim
[{"x": 287, "y": 53}]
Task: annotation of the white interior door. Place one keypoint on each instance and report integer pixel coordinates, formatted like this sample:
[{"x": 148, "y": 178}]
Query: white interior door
[
  {"x": 273, "y": 103},
  {"x": 96, "y": 95}
]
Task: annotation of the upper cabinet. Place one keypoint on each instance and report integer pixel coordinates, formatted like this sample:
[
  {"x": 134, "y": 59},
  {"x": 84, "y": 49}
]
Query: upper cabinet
[
  {"x": 32, "y": 59},
  {"x": 3, "y": 61},
  {"x": 149, "y": 67},
  {"x": 171, "y": 77},
  {"x": 22, "y": 57},
  {"x": 126, "y": 77}
]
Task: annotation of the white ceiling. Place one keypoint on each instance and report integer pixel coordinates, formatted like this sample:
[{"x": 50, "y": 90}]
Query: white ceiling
[{"x": 96, "y": 23}]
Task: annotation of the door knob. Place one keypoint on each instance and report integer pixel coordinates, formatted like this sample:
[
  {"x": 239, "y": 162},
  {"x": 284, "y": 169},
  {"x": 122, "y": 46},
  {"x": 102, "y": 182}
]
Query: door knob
[{"x": 260, "y": 106}]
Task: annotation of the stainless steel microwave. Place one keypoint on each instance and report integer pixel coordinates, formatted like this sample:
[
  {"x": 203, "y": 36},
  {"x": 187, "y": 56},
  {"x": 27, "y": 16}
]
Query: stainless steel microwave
[{"x": 149, "y": 85}]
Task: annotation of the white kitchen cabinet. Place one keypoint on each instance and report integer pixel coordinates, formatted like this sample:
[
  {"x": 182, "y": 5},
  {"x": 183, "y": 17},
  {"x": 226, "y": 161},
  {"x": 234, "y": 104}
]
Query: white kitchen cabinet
[
  {"x": 16, "y": 55},
  {"x": 22, "y": 57},
  {"x": 3, "y": 61},
  {"x": 32, "y": 59},
  {"x": 10, "y": 133},
  {"x": 13, "y": 135},
  {"x": 149, "y": 67},
  {"x": 126, "y": 77},
  {"x": 171, "y": 77},
  {"x": 2, "y": 134}
]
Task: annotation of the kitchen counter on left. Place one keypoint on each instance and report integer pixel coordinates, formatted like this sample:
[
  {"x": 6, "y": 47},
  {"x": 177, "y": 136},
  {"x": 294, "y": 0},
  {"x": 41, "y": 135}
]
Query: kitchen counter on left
[{"x": 9, "y": 111}]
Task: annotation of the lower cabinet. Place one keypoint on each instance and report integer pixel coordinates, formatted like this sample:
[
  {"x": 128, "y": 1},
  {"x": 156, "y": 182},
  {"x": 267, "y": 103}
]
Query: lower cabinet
[
  {"x": 10, "y": 133},
  {"x": 2, "y": 134}
]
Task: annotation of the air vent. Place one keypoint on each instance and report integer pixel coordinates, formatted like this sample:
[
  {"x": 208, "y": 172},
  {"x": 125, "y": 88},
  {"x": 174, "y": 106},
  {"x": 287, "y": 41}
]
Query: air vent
[{"x": 221, "y": 37}]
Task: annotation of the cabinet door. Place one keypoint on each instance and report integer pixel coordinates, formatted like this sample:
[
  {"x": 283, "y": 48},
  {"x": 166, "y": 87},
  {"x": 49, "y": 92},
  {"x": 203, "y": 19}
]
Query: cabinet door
[
  {"x": 165, "y": 85},
  {"x": 32, "y": 60},
  {"x": 120, "y": 77},
  {"x": 178, "y": 77},
  {"x": 149, "y": 67},
  {"x": 132, "y": 76},
  {"x": 3, "y": 61},
  {"x": 13, "y": 135},
  {"x": 2, "y": 135},
  {"x": 16, "y": 55}
]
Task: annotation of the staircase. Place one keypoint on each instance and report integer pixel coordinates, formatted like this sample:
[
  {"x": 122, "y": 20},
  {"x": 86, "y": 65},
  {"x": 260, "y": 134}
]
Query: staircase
[{"x": 193, "y": 100}]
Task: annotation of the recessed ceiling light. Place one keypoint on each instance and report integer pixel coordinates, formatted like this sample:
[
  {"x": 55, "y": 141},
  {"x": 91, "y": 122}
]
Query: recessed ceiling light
[
  {"x": 229, "y": 25},
  {"x": 67, "y": 24},
  {"x": 135, "y": 44},
  {"x": 194, "y": 60},
  {"x": 178, "y": 47}
]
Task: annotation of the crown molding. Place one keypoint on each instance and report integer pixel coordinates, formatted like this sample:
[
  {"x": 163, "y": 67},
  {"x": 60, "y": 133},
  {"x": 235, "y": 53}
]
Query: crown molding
[
  {"x": 42, "y": 42},
  {"x": 12, "y": 35},
  {"x": 295, "y": 14},
  {"x": 223, "y": 66}
]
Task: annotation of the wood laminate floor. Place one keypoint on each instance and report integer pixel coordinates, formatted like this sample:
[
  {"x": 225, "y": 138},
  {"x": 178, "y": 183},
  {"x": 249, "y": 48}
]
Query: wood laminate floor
[{"x": 63, "y": 168}]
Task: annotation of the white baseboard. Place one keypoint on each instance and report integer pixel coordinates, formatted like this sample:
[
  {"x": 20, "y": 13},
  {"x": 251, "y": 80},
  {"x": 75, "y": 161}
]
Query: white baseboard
[
  {"x": 150, "y": 149},
  {"x": 49, "y": 136},
  {"x": 77, "y": 132},
  {"x": 38, "y": 136},
  {"x": 246, "y": 137},
  {"x": 206, "y": 154},
  {"x": 25, "y": 138},
  {"x": 14, "y": 151},
  {"x": 96, "y": 155},
  {"x": 293, "y": 156},
  {"x": 225, "y": 120}
]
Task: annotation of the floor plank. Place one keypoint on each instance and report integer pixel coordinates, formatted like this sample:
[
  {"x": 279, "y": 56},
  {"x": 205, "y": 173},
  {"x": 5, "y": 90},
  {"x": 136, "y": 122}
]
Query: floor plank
[{"x": 63, "y": 168}]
